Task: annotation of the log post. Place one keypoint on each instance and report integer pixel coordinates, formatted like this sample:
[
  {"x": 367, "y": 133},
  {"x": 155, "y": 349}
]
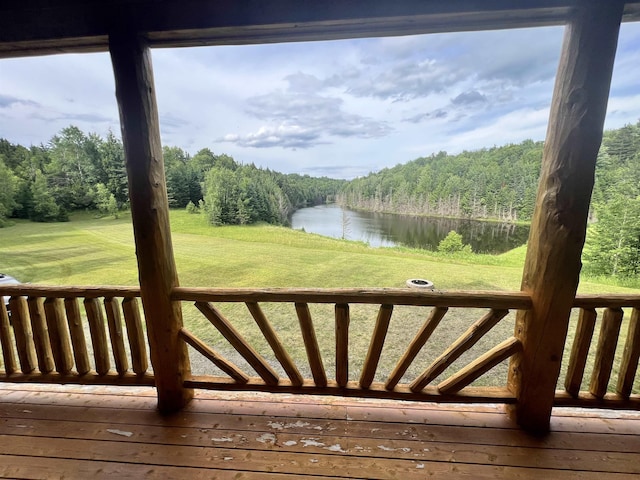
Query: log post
[
  {"x": 558, "y": 228},
  {"x": 135, "y": 91}
]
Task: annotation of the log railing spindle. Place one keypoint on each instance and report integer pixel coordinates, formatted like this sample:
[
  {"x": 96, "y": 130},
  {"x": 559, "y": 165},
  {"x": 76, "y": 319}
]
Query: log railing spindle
[
  {"x": 437, "y": 313},
  {"x": 457, "y": 348},
  {"x": 375, "y": 347},
  {"x": 23, "y": 334},
  {"x": 629, "y": 364},
  {"x": 276, "y": 345},
  {"x": 311, "y": 344},
  {"x": 8, "y": 352},
  {"x": 116, "y": 334},
  {"x": 135, "y": 332},
  {"x": 58, "y": 335},
  {"x": 76, "y": 330},
  {"x": 98, "y": 335},
  {"x": 606, "y": 350},
  {"x": 342, "y": 343},
  {"x": 235, "y": 339},
  {"x": 40, "y": 334},
  {"x": 580, "y": 350}
]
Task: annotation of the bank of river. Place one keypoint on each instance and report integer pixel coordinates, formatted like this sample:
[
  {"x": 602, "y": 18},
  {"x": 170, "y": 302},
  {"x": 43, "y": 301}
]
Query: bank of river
[{"x": 387, "y": 230}]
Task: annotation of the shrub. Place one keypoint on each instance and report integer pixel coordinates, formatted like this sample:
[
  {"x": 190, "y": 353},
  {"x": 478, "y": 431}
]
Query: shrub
[{"x": 452, "y": 243}]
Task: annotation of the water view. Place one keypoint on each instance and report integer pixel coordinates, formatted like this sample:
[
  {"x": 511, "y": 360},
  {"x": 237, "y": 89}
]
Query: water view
[{"x": 387, "y": 230}]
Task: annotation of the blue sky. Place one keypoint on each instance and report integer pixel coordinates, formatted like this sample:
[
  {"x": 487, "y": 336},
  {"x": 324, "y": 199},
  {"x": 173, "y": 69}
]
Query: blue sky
[{"x": 339, "y": 108}]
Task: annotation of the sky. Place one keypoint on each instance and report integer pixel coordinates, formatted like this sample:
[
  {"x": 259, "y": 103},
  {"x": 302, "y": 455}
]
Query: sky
[{"x": 340, "y": 109}]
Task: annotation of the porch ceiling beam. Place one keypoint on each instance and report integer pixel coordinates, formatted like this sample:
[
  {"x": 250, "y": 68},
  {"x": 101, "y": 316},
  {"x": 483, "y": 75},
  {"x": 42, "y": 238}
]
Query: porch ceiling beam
[{"x": 39, "y": 27}]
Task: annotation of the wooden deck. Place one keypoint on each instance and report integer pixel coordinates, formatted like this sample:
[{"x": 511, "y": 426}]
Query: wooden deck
[{"x": 100, "y": 432}]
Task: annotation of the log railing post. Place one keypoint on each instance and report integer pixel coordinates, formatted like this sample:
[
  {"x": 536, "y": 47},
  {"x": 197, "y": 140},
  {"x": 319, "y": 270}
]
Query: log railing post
[
  {"x": 552, "y": 265},
  {"x": 135, "y": 91}
]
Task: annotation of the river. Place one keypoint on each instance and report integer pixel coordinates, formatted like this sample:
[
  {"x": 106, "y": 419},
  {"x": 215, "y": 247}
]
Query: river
[{"x": 387, "y": 230}]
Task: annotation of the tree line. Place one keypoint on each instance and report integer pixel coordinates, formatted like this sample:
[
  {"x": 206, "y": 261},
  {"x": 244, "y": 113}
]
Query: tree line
[
  {"x": 500, "y": 183},
  {"x": 497, "y": 183},
  {"x": 79, "y": 171}
]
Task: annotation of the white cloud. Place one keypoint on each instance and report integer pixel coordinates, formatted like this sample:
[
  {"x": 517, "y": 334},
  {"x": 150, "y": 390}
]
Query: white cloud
[{"x": 339, "y": 108}]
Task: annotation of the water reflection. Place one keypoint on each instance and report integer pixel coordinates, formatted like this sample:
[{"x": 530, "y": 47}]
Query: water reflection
[{"x": 385, "y": 230}]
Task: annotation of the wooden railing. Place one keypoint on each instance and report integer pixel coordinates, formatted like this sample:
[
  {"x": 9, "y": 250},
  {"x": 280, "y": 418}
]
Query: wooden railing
[
  {"x": 613, "y": 364},
  {"x": 431, "y": 306},
  {"x": 44, "y": 335},
  {"x": 96, "y": 335}
]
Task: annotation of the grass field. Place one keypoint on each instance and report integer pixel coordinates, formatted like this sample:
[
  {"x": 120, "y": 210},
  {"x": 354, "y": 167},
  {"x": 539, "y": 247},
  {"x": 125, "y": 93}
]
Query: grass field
[{"x": 101, "y": 251}]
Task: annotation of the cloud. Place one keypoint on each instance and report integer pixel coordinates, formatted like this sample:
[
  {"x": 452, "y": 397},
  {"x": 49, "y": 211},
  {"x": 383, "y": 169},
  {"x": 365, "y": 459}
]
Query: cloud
[
  {"x": 7, "y": 101},
  {"x": 472, "y": 97},
  {"x": 398, "y": 81},
  {"x": 300, "y": 118},
  {"x": 439, "y": 113}
]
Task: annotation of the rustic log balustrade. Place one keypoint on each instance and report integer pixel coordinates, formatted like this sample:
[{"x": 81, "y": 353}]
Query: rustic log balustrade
[
  {"x": 268, "y": 380},
  {"x": 110, "y": 318},
  {"x": 59, "y": 352},
  {"x": 613, "y": 369}
]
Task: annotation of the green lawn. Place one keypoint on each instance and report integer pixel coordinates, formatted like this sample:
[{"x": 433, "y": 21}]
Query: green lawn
[{"x": 100, "y": 251}]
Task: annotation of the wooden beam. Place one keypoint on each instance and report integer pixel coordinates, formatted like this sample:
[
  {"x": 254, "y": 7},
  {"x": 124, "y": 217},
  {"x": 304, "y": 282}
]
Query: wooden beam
[
  {"x": 552, "y": 265},
  {"x": 135, "y": 91},
  {"x": 40, "y": 27},
  {"x": 380, "y": 296}
]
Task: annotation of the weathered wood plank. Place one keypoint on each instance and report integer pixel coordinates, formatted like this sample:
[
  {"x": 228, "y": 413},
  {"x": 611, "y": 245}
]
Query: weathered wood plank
[
  {"x": 135, "y": 333},
  {"x": 580, "y": 350},
  {"x": 97, "y": 330},
  {"x": 468, "y": 339},
  {"x": 135, "y": 93},
  {"x": 558, "y": 228},
  {"x": 279, "y": 350},
  {"x": 606, "y": 351},
  {"x": 342, "y": 344},
  {"x": 311, "y": 344},
  {"x": 375, "y": 347},
  {"x": 236, "y": 340},
  {"x": 76, "y": 330},
  {"x": 630, "y": 357},
  {"x": 23, "y": 334},
  {"x": 116, "y": 334},
  {"x": 6, "y": 341},
  {"x": 480, "y": 366},
  {"x": 40, "y": 334},
  {"x": 415, "y": 346},
  {"x": 218, "y": 360},
  {"x": 58, "y": 335}
]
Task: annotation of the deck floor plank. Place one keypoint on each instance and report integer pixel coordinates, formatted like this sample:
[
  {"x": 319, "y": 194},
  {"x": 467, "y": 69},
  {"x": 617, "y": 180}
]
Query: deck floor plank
[{"x": 103, "y": 432}]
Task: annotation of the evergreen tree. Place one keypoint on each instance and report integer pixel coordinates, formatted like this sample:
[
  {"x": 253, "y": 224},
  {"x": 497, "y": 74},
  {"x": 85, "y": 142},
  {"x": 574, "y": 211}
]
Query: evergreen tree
[{"x": 44, "y": 207}]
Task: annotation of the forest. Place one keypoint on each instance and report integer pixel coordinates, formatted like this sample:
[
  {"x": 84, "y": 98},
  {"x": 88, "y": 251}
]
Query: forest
[{"x": 78, "y": 171}]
